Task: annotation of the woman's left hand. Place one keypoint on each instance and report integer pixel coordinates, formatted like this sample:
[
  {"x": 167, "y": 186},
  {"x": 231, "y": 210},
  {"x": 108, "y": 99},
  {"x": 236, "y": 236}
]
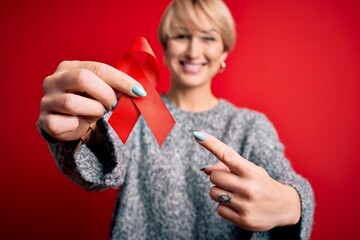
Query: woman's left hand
[{"x": 247, "y": 195}]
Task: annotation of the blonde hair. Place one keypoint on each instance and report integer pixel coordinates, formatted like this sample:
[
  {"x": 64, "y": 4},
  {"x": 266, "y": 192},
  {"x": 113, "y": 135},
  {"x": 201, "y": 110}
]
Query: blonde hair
[{"x": 185, "y": 11}]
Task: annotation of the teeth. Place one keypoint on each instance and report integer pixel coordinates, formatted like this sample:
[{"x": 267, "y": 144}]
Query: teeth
[{"x": 192, "y": 67}]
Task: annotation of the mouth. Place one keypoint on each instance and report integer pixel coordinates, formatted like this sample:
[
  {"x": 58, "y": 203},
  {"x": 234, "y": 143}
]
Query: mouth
[{"x": 191, "y": 67}]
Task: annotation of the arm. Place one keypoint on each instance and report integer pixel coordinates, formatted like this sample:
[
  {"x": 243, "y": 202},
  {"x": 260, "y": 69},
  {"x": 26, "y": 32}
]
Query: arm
[
  {"x": 265, "y": 150},
  {"x": 94, "y": 166}
]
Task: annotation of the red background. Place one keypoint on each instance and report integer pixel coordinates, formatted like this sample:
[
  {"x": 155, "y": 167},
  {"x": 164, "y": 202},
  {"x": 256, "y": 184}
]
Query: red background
[{"x": 296, "y": 61}]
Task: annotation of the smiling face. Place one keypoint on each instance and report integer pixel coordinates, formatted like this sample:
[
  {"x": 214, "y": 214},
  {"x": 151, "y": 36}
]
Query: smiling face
[{"x": 194, "y": 55}]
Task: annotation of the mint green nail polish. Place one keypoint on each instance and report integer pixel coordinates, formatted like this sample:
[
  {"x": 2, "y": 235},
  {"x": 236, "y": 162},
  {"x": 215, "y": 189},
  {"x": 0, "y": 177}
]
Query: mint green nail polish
[
  {"x": 139, "y": 90},
  {"x": 114, "y": 104},
  {"x": 199, "y": 136}
]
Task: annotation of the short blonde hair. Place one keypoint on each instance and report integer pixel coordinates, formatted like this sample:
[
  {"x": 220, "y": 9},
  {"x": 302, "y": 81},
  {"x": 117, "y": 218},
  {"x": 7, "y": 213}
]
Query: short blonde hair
[{"x": 185, "y": 11}]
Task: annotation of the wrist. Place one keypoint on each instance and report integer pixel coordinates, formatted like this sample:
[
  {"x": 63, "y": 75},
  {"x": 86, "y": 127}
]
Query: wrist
[{"x": 292, "y": 207}]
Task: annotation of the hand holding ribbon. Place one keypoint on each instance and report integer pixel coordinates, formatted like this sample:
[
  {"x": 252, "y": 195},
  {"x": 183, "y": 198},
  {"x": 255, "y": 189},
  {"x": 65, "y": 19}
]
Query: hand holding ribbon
[{"x": 128, "y": 110}]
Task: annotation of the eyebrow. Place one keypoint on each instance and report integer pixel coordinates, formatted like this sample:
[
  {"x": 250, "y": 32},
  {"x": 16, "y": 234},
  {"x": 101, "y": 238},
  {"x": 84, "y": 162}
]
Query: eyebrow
[
  {"x": 203, "y": 31},
  {"x": 210, "y": 30}
]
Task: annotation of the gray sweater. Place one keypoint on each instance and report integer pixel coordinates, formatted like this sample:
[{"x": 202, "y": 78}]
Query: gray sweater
[{"x": 163, "y": 193}]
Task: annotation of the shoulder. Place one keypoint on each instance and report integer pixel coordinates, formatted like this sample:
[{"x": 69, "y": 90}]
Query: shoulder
[
  {"x": 249, "y": 117},
  {"x": 253, "y": 125}
]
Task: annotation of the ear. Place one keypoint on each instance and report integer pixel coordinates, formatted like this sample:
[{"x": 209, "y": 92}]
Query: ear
[{"x": 223, "y": 56}]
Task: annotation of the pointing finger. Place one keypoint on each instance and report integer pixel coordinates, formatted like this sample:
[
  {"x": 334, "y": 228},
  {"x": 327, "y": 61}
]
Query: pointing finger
[{"x": 237, "y": 164}]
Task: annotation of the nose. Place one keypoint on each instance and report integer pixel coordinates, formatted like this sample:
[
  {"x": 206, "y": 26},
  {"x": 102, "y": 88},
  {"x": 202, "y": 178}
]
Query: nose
[{"x": 194, "y": 48}]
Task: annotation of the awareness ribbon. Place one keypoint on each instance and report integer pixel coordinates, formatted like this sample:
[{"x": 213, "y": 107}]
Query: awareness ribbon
[{"x": 153, "y": 109}]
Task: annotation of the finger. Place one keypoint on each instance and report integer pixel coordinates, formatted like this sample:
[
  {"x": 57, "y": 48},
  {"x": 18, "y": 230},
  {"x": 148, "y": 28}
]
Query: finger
[
  {"x": 72, "y": 104},
  {"x": 56, "y": 124},
  {"x": 64, "y": 127},
  {"x": 224, "y": 153},
  {"x": 217, "y": 166},
  {"x": 225, "y": 197},
  {"x": 228, "y": 213},
  {"x": 85, "y": 82},
  {"x": 229, "y": 182},
  {"x": 112, "y": 76}
]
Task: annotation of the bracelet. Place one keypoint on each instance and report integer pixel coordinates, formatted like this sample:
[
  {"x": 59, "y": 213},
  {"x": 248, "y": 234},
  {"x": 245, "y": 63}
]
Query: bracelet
[{"x": 86, "y": 137}]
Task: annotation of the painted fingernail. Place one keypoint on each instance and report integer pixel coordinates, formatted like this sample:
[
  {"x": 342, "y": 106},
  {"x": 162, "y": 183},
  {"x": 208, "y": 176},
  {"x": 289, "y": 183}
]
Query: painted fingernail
[
  {"x": 139, "y": 90},
  {"x": 106, "y": 111},
  {"x": 207, "y": 166},
  {"x": 199, "y": 136},
  {"x": 114, "y": 104}
]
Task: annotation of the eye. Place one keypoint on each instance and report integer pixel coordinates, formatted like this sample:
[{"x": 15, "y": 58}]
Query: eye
[
  {"x": 181, "y": 36},
  {"x": 208, "y": 38}
]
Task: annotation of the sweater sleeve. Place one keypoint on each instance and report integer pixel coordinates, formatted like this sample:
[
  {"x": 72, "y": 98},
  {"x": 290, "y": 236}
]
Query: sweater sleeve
[
  {"x": 94, "y": 166},
  {"x": 264, "y": 149}
]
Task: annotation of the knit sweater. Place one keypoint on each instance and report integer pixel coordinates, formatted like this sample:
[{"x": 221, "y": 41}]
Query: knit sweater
[{"x": 164, "y": 195}]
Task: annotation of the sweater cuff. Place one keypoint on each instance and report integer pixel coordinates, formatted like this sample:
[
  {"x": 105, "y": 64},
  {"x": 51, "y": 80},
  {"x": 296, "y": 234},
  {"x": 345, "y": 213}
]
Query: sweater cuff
[
  {"x": 93, "y": 166},
  {"x": 98, "y": 161},
  {"x": 302, "y": 230}
]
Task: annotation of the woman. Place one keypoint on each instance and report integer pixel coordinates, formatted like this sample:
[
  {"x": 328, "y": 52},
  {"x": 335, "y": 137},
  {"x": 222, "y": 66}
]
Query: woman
[{"x": 163, "y": 194}]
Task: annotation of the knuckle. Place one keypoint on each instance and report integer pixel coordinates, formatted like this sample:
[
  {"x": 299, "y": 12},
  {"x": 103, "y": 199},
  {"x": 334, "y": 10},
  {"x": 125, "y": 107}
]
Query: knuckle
[
  {"x": 228, "y": 155},
  {"x": 255, "y": 190},
  {"x": 99, "y": 69},
  {"x": 238, "y": 219},
  {"x": 213, "y": 192},
  {"x": 50, "y": 125},
  {"x": 261, "y": 171},
  {"x": 249, "y": 207},
  {"x": 251, "y": 190},
  {"x": 257, "y": 172},
  {"x": 98, "y": 110},
  {"x": 223, "y": 154},
  {"x": 65, "y": 64},
  {"x": 43, "y": 104},
  {"x": 41, "y": 121},
  {"x": 81, "y": 76},
  {"x": 247, "y": 217},
  {"x": 238, "y": 186},
  {"x": 68, "y": 102},
  {"x": 47, "y": 83},
  {"x": 213, "y": 176}
]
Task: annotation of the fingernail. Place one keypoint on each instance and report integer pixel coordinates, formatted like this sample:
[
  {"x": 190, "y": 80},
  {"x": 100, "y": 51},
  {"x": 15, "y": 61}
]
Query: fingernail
[
  {"x": 199, "y": 136},
  {"x": 106, "y": 111},
  {"x": 207, "y": 166},
  {"x": 114, "y": 104},
  {"x": 139, "y": 90}
]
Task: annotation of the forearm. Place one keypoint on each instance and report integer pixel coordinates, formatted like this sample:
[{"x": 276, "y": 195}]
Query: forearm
[{"x": 94, "y": 165}]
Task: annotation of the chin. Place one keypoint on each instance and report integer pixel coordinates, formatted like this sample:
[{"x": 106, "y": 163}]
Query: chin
[
  {"x": 192, "y": 84},
  {"x": 190, "y": 81}
]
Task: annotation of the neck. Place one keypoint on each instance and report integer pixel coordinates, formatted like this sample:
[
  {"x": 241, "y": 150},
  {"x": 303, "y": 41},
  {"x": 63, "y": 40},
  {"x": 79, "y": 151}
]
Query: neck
[{"x": 192, "y": 99}]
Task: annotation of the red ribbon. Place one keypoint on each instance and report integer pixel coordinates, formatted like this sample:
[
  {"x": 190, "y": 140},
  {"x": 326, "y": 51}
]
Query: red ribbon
[{"x": 153, "y": 109}]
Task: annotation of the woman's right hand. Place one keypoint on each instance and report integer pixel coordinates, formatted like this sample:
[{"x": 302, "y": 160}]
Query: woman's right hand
[{"x": 78, "y": 94}]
